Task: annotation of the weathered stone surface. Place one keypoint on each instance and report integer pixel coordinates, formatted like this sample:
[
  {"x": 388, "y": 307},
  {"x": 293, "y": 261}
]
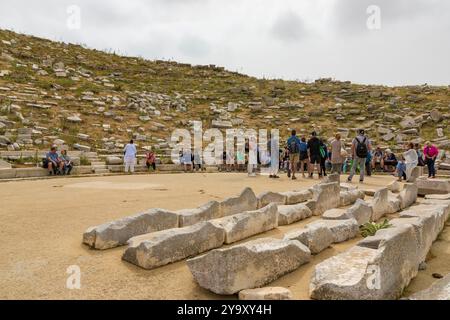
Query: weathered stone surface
[
  {"x": 334, "y": 177},
  {"x": 247, "y": 224},
  {"x": 342, "y": 230},
  {"x": 380, "y": 204},
  {"x": 408, "y": 196},
  {"x": 380, "y": 267},
  {"x": 438, "y": 196},
  {"x": 247, "y": 266},
  {"x": 268, "y": 293},
  {"x": 327, "y": 196},
  {"x": 160, "y": 248},
  {"x": 361, "y": 211},
  {"x": 271, "y": 197},
  {"x": 394, "y": 186},
  {"x": 208, "y": 211},
  {"x": 293, "y": 213},
  {"x": 336, "y": 214},
  {"x": 343, "y": 276},
  {"x": 317, "y": 237},
  {"x": 415, "y": 174},
  {"x": 244, "y": 202},
  {"x": 349, "y": 197},
  {"x": 111, "y": 160},
  {"x": 311, "y": 204},
  {"x": 294, "y": 197},
  {"x": 117, "y": 233},
  {"x": 440, "y": 290},
  {"x": 434, "y": 186}
]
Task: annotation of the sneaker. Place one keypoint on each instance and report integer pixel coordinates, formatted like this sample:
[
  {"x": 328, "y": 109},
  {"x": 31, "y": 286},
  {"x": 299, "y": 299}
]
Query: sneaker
[
  {"x": 276, "y": 177},
  {"x": 294, "y": 178},
  {"x": 361, "y": 181}
]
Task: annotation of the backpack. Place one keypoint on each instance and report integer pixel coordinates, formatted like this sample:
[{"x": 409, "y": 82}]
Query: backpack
[
  {"x": 361, "y": 148},
  {"x": 323, "y": 154},
  {"x": 293, "y": 147}
]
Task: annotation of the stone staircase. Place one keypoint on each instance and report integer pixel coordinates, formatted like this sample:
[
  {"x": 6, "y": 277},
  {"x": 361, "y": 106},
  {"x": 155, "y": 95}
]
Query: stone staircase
[{"x": 98, "y": 166}]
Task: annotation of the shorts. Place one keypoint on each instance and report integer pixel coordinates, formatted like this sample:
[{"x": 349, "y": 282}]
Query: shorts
[
  {"x": 294, "y": 157},
  {"x": 315, "y": 159},
  {"x": 303, "y": 156}
]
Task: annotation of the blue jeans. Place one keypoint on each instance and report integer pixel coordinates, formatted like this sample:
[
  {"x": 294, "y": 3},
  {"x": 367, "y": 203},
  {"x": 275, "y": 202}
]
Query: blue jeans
[
  {"x": 362, "y": 164},
  {"x": 431, "y": 168}
]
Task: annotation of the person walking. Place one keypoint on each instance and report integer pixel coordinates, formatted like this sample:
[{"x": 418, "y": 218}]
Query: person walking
[
  {"x": 314, "y": 154},
  {"x": 360, "y": 148},
  {"x": 304, "y": 159},
  {"x": 293, "y": 144},
  {"x": 430, "y": 152},
  {"x": 336, "y": 155},
  {"x": 130, "y": 156}
]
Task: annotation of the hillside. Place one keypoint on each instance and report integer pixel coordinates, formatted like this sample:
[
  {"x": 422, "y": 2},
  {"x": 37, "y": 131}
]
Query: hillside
[{"x": 91, "y": 100}]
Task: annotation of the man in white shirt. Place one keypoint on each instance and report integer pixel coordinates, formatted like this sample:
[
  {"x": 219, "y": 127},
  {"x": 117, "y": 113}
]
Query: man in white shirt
[{"x": 130, "y": 156}]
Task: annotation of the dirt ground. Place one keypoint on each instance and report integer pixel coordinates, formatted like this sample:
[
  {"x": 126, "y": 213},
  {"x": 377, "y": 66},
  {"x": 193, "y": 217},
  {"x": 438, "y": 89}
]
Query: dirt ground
[{"x": 42, "y": 223}]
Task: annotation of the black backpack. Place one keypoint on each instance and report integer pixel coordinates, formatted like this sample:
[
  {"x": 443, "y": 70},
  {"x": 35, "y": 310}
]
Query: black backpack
[{"x": 361, "y": 148}]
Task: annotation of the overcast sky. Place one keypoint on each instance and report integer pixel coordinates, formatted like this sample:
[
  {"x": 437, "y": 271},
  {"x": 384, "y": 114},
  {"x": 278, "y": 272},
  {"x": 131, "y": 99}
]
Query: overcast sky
[{"x": 290, "y": 39}]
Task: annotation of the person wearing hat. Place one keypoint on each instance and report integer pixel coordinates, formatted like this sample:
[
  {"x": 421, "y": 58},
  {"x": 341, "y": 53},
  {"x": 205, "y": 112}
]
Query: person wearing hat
[
  {"x": 389, "y": 160},
  {"x": 360, "y": 148}
]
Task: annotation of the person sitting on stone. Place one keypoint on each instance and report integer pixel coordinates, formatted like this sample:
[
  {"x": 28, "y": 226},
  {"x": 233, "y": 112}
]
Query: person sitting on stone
[
  {"x": 151, "y": 160},
  {"x": 53, "y": 163},
  {"x": 67, "y": 161},
  {"x": 411, "y": 161},
  {"x": 377, "y": 158},
  {"x": 389, "y": 161}
]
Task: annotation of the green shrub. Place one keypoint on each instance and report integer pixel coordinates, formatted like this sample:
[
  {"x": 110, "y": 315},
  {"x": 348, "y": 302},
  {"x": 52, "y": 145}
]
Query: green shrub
[{"x": 370, "y": 228}]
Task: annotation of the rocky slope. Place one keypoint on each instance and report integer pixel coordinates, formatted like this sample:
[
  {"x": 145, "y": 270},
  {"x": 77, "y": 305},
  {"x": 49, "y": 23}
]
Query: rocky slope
[{"x": 57, "y": 93}]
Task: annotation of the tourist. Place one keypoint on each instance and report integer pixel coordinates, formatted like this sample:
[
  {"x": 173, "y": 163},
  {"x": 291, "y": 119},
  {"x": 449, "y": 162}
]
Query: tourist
[
  {"x": 389, "y": 161},
  {"x": 67, "y": 162},
  {"x": 360, "y": 148},
  {"x": 421, "y": 161},
  {"x": 336, "y": 158},
  {"x": 285, "y": 159},
  {"x": 252, "y": 157},
  {"x": 151, "y": 160},
  {"x": 130, "y": 153},
  {"x": 430, "y": 152},
  {"x": 229, "y": 159},
  {"x": 411, "y": 160},
  {"x": 293, "y": 145},
  {"x": 274, "y": 159},
  {"x": 400, "y": 170},
  {"x": 323, "y": 158},
  {"x": 187, "y": 159},
  {"x": 304, "y": 159},
  {"x": 53, "y": 163},
  {"x": 240, "y": 157},
  {"x": 369, "y": 164},
  {"x": 197, "y": 160},
  {"x": 377, "y": 158},
  {"x": 314, "y": 154}
]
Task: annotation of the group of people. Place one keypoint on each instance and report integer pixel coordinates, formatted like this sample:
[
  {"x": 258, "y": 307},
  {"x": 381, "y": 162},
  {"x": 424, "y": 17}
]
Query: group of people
[
  {"x": 57, "y": 164},
  {"x": 130, "y": 156},
  {"x": 305, "y": 156}
]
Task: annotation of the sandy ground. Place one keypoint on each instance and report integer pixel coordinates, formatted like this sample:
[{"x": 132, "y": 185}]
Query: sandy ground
[{"x": 42, "y": 223}]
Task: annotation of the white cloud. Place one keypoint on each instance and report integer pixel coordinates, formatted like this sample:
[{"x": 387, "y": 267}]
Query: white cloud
[{"x": 292, "y": 39}]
